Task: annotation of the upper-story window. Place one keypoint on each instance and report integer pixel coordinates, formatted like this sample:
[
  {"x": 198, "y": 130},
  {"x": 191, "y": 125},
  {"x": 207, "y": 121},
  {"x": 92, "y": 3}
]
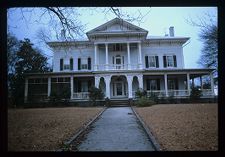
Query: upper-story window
[
  {"x": 84, "y": 63},
  {"x": 151, "y": 61},
  {"x": 66, "y": 64},
  {"x": 117, "y": 47},
  {"x": 169, "y": 61}
]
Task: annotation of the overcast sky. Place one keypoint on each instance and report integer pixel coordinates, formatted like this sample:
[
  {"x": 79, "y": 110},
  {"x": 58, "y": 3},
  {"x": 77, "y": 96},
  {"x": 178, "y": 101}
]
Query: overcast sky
[{"x": 157, "y": 22}]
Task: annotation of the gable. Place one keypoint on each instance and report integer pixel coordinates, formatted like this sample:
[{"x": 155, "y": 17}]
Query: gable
[{"x": 116, "y": 25}]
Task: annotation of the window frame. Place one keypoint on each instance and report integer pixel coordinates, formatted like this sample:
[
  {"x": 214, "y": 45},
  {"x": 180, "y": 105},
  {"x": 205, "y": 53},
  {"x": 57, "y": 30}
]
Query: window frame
[
  {"x": 149, "y": 61},
  {"x": 171, "y": 61}
]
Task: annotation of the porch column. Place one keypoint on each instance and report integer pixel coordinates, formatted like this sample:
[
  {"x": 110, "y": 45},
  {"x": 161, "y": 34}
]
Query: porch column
[
  {"x": 128, "y": 56},
  {"x": 97, "y": 80},
  {"x": 188, "y": 84},
  {"x": 49, "y": 86},
  {"x": 26, "y": 90},
  {"x": 201, "y": 82},
  {"x": 140, "y": 81},
  {"x": 139, "y": 56},
  {"x": 71, "y": 87},
  {"x": 96, "y": 54},
  {"x": 106, "y": 57},
  {"x": 107, "y": 85},
  {"x": 212, "y": 83},
  {"x": 166, "y": 88},
  {"x": 130, "y": 90}
]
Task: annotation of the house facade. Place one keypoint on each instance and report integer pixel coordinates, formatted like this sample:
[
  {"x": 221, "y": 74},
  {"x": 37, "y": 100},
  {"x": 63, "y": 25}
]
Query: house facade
[{"x": 119, "y": 58}]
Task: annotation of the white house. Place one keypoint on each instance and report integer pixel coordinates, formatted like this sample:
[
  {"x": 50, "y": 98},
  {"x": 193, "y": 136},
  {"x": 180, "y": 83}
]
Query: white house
[{"x": 119, "y": 58}]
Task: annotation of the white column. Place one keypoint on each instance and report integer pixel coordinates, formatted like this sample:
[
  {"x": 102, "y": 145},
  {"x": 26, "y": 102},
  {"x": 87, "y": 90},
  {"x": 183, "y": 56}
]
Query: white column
[
  {"x": 49, "y": 86},
  {"x": 128, "y": 56},
  {"x": 97, "y": 80},
  {"x": 96, "y": 55},
  {"x": 140, "y": 56},
  {"x": 130, "y": 90},
  {"x": 106, "y": 57},
  {"x": 188, "y": 84},
  {"x": 201, "y": 82},
  {"x": 140, "y": 81},
  {"x": 166, "y": 88},
  {"x": 26, "y": 90},
  {"x": 107, "y": 85},
  {"x": 71, "y": 87},
  {"x": 212, "y": 83}
]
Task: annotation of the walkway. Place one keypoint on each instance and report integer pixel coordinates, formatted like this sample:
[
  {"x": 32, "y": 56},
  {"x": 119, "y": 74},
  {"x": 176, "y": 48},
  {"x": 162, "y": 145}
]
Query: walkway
[{"x": 117, "y": 129}]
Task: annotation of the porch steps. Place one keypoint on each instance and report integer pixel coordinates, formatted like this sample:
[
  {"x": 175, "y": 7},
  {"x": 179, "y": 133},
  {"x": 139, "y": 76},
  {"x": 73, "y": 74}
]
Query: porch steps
[{"x": 119, "y": 102}]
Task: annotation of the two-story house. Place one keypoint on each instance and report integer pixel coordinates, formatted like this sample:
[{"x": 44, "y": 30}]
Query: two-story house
[{"x": 119, "y": 58}]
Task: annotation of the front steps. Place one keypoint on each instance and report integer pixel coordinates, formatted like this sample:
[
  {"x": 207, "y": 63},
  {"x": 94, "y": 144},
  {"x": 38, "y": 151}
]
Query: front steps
[{"x": 119, "y": 102}]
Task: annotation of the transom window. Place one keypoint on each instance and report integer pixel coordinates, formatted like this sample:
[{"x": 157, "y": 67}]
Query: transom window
[
  {"x": 84, "y": 63},
  {"x": 170, "y": 61}
]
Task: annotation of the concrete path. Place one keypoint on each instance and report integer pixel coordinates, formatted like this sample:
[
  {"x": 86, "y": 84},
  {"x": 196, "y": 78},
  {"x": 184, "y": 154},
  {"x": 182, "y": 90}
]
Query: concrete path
[{"x": 117, "y": 129}]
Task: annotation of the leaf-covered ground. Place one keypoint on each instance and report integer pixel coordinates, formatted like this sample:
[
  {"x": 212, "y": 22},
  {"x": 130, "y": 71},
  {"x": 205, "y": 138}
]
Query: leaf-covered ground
[
  {"x": 45, "y": 129},
  {"x": 181, "y": 127}
]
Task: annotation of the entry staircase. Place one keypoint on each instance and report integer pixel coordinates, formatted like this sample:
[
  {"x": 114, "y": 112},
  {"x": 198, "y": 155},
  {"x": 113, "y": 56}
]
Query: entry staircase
[{"x": 119, "y": 102}]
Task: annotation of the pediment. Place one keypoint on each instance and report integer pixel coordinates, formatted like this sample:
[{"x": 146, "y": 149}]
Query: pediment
[{"x": 116, "y": 25}]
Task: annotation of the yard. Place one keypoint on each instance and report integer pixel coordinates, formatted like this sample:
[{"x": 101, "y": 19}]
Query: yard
[
  {"x": 179, "y": 127},
  {"x": 45, "y": 129}
]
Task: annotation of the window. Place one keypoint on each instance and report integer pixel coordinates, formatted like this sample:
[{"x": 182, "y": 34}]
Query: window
[
  {"x": 66, "y": 67},
  {"x": 170, "y": 61},
  {"x": 151, "y": 61},
  {"x": 84, "y": 63},
  {"x": 117, "y": 47},
  {"x": 173, "y": 84}
]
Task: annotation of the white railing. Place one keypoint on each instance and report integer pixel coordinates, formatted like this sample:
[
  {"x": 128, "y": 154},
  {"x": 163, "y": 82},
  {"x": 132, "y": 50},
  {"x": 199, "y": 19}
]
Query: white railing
[
  {"x": 159, "y": 93},
  {"x": 81, "y": 95},
  {"x": 116, "y": 66},
  {"x": 207, "y": 92},
  {"x": 178, "y": 93}
]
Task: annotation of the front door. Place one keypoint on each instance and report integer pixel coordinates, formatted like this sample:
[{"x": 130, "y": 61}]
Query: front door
[{"x": 119, "y": 89}]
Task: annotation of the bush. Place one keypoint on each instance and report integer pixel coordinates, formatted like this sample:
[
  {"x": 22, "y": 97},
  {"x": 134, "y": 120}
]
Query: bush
[
  {"x": 140, "y": 93},
  {"x": 196, "y": 93},
  {"x": 143, "y": 102},
  {"x": 154, "y": 96},
  {"x": 95, "y": 94}
]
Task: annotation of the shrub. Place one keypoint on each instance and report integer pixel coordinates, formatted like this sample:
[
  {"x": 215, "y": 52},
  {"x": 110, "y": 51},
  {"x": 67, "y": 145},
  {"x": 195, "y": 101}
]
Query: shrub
[
  {"x": 196, "y": 93},
  {"x": 140, "y": 93},
  {"x": 95, "y": 94},
  {"x": 143, "y": 102},
  {"x": 154, "y": 96}
]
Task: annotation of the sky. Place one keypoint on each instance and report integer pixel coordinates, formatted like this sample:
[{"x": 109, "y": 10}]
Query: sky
[{"x": 157, "y": 21}]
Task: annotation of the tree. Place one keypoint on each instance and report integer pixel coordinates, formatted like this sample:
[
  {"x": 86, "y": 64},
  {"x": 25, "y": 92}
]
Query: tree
[
  {"x": 208, "y": 35},
  {"x": 29, "y": 60}
]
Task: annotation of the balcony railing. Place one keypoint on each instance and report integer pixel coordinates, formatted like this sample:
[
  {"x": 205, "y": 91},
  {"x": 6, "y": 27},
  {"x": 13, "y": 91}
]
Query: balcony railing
[
  {"x": 81, "y": 95},
  {"x": 116, "y": 66}
]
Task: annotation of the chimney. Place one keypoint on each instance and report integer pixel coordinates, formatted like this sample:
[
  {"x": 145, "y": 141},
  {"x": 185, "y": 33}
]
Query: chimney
[
  {"x": 171, "y": 30},
  {"x": 63, "y": 34}
]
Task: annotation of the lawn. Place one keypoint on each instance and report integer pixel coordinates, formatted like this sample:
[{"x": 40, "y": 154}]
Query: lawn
[
  {"x": 45, "y": 129},
  {"x": 179, "y": 127}
]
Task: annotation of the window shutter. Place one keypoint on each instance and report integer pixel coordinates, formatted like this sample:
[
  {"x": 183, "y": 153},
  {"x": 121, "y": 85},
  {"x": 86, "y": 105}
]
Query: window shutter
[
  {"x": 123, "y": 59},
  {"x": 61, "y": 64},
  {"x": 78, "y": 63},
  {"x": 157, "y": 61},
  {"x": 164, "y": 62},
  {"x": 146, "y": 62},
  {"x": 75, "y": 85},
  {"x": 113, "y": 59},
  {"x": 158, "y": 84},
  {"x": 79, "y": 86},
  {"x": 71, "y": 63},
  {"x": 89, "y": 63},
  {"x": 176, "y": 83},
  {"x": 148, "y": 84},
  {"x": 175, "y": 60}
]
